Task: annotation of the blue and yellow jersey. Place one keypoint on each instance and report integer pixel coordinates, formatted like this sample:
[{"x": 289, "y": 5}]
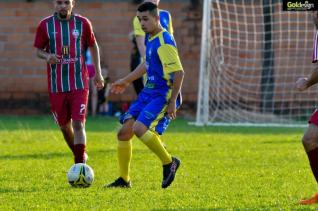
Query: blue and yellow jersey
[
  {"x": 162, "y": 60},
  {"x": 165, "y": 21}
]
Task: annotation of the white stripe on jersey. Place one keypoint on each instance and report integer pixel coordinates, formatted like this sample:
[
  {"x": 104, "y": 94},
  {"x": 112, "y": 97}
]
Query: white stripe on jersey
[
  {"x": 55, "y": 53},
  {"x": 80, "y": 55},
  {"x": 315, "y": 50},
  {"x": 76, "y": 56},
  {"x": 69, "y": 56},
  {"x": 61, "y": 56},
  {"x": 54, "y": 34},
  {"x": 48, "y": 35}
]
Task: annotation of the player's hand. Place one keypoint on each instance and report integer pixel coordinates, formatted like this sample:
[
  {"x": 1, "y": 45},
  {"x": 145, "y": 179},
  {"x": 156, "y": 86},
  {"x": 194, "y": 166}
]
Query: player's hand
[
  {"x": 53, "y": 59},
  {"x": 118, "y": 86},
  {"x": 99, "y": 81},
  {"x": 171, "y": 109},
  {"x": 302, "y": 84}
]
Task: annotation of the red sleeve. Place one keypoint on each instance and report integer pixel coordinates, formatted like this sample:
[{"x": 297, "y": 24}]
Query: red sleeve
[
  {"x": 41, "y": 39},
  {"x": 89, "y": 34}
]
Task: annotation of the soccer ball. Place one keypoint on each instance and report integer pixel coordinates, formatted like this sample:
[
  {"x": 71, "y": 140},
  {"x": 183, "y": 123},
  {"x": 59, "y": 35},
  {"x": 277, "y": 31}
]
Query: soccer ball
[{"x": 80, "y": 175}]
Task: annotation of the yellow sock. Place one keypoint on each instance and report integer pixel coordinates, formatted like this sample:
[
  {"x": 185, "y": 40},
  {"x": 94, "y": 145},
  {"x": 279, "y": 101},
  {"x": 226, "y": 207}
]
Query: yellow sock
[
  {"x": 153, "y": 142},
  {"x": 124, "y": 153}
]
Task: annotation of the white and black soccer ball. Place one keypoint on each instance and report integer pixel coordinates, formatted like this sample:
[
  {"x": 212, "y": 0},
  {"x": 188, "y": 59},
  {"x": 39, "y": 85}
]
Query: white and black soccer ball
[{"x": 80, "y": 175}]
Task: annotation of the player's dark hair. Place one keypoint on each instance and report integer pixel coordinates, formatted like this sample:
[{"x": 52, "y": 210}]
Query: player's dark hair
[{"x": 148, "y": 6}]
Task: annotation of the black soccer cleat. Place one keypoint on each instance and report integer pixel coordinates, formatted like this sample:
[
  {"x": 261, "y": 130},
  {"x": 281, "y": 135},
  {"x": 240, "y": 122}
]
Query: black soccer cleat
[
  {"x": 169, "y": 172},
  {"x": 119, "y": 183}
]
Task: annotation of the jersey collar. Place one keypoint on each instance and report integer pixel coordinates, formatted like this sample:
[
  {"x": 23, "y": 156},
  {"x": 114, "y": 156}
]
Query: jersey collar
[{"x": 157, "y": 35}]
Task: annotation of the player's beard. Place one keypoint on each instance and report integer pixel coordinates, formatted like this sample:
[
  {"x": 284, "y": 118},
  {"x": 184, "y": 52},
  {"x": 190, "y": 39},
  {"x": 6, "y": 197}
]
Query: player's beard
[{"x": 63, "y": 16}]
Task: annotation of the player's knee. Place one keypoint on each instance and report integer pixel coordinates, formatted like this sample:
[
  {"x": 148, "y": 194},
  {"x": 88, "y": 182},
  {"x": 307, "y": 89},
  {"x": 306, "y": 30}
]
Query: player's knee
[
  {"x": 66, "y": 128},
  {"x": 124, "y": 135},
  {"x": 63, "y": 129},
  {"x": 310, "y": 141},
  {"x": 139, "y": 129},
  {"x": 78, "y": 125}
]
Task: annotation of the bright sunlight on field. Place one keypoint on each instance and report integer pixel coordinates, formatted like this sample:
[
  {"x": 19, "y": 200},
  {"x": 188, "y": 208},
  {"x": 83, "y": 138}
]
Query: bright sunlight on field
[{"x": 222, "y": 168}]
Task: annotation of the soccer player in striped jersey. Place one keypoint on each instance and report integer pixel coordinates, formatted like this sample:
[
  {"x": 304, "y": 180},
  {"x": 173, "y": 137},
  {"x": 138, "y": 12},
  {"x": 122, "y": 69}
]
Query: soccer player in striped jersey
[
  {"x": 310, "y": 138},
  {"x": 142, "y": 37},
  {"x": 149, "y": 116},
  {"x": 61, "y": 40}
]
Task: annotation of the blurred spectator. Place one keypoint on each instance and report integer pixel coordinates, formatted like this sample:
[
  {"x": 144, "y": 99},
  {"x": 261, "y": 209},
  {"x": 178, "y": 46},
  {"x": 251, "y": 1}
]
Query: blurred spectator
[
  {"x": 135, "y": 60},
  {"x": 95, "y": 95},
  {"x": 104, "y": 106}
]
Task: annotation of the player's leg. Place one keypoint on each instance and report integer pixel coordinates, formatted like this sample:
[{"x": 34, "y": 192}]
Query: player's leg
[
  {"x": 79, "y": 140},
  {"x": 124, "y": 154},
  {"x": 124, "y": 147},
  {"x": 78, "y": 106},
  {"x": 152, "y": 141},
  {"x": 310, "y": 143},
  {"x": 68, "y": 134},
  {"x": 150, "y": 117},
  {"x": 62, "y": 117}
]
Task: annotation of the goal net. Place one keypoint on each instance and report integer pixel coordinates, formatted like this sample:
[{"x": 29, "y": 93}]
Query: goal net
[{"x": 252, "y": 53}]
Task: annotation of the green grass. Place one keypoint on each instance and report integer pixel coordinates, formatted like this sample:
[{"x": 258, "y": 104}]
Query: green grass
[{"x": 223, "y": 168}]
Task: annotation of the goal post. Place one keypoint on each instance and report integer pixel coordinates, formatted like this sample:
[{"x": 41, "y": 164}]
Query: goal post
[
  {"x": 252, "y": 52},
  {"x": 203, "y": 95}
]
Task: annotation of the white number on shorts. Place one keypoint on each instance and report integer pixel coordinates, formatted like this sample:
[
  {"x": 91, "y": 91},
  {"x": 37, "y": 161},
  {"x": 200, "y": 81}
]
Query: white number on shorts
[{"x": 82, "y": 110}]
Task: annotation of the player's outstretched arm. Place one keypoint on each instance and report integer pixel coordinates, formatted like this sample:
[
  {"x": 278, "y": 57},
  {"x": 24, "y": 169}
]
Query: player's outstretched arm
[
  {"x": 304, "y": 83},
  {"x": 176, "y": 88},
  {"x": 120, "y": 85}
]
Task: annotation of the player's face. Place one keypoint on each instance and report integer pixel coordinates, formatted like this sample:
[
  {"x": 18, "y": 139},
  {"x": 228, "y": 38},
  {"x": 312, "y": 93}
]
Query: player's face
[
  {"x": 63, "y": 7},
  {"x": 148, "y": 22},
  {"x": 156, "y": 2}
]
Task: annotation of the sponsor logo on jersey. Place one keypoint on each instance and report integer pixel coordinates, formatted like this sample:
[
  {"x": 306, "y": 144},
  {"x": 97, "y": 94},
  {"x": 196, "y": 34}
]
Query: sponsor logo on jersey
[
  {"x": 75, "y": 33},
  {"x": 66, "y": 50},
  {"x": 68, "y": 60}
]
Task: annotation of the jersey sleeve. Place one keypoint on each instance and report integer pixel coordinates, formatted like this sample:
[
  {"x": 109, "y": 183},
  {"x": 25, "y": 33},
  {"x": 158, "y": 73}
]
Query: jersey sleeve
[
  {"x": 137, "y": 27},
  {"x": 170, "y": 28},
  {"x": 41, "y": 38},
  {"x": 89, "y": 34},
  {"x": 169, "y": 58}
]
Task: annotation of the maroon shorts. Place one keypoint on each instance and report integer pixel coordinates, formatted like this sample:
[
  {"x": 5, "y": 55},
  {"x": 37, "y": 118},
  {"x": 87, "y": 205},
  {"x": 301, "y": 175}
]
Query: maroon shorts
[
  {"x": 69, "y": 105},
  {"x": 314, "y": 118}
]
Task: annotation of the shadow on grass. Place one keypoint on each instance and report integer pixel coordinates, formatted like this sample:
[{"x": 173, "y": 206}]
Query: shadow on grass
[
  {"x": 7, "y": 190},
  {"x": 46, "y": 122},
  {"x": 260, "y": 208},
  {"x": 48, "y": 156},
  {"x": 111, "y": 124},
  {"x": 42, "y": 156},
  {"x": 282, "y": 142}
]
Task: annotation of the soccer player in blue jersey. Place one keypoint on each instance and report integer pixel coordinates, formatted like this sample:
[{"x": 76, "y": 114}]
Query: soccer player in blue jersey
[
  {"x": 141, "y": 37},
  {"x": 149, "y": 116}
]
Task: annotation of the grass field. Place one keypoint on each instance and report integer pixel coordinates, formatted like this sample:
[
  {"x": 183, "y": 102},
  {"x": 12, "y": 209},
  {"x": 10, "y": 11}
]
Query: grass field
[{"x": 223, "y": 168}]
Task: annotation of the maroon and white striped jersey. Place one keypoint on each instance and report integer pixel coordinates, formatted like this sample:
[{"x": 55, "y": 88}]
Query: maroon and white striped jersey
[{"x": 69, "y": 40}]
